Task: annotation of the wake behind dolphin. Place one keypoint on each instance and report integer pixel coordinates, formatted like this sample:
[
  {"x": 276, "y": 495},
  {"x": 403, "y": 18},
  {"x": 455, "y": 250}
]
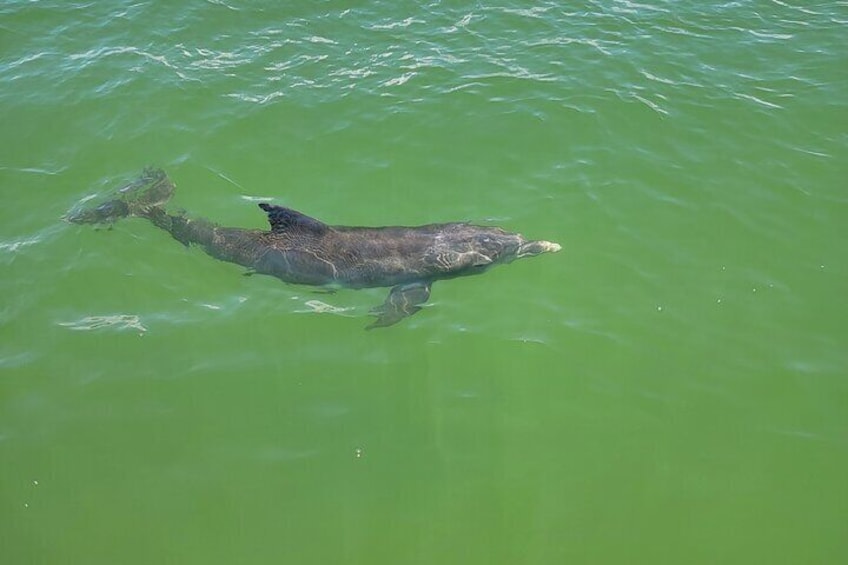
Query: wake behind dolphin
[{"x": 302, "y": 250}]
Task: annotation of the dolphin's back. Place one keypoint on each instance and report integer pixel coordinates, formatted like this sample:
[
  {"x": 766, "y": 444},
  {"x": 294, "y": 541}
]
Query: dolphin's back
[
  {"x": 349, "y": 256},
  {"x": 360, "y": 257}
]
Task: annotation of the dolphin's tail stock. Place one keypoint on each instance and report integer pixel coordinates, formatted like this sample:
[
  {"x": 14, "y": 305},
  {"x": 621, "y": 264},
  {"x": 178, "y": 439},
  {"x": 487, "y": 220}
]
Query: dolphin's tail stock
[
  {"x": 147, "y": 193},
  {"x": 146, "y": 197}
]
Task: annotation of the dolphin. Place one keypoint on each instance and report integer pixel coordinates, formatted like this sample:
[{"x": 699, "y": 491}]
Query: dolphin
[{"x": 300, "y": 249}]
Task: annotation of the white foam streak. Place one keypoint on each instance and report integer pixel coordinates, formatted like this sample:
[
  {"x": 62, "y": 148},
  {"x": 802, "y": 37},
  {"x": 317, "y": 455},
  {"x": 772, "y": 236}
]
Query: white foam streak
[{"x": 112, "y": 321}]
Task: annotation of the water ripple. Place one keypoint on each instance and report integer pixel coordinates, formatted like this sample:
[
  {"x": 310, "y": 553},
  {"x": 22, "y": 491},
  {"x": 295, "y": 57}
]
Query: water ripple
[{"x": 111, "y": 321}]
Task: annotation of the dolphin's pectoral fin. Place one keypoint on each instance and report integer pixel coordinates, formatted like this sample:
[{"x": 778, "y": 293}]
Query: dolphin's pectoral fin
[{"x": 402, "y": 301}]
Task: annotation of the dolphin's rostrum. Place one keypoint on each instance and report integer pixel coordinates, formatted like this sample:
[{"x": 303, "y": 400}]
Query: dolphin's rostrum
[{"x": 302, "y": 250}]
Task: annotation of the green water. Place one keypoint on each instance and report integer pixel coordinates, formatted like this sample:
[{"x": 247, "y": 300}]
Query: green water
[{"x": 670, "y": 388}]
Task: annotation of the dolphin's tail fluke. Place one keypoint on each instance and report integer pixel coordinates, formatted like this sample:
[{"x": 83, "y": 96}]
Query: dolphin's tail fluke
[{"x": 148, "y": 192}]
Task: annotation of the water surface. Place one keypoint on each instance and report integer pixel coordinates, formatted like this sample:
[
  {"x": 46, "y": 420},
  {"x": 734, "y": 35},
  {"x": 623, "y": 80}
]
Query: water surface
[{"x": 670, "y": 388}]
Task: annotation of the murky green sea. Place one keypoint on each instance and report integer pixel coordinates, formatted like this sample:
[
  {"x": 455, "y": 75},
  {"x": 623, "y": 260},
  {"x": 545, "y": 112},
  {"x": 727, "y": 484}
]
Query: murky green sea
[{"x": 671, "y": 388}]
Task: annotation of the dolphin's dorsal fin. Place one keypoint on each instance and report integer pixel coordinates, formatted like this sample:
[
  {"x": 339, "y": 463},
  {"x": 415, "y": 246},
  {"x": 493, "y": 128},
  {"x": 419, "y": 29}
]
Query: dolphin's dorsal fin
[{"x": 285, "y": 219}]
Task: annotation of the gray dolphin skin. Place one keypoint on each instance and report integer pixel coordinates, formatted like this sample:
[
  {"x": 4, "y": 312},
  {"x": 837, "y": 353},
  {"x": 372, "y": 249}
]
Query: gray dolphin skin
[{"x": 302, "y": 250}]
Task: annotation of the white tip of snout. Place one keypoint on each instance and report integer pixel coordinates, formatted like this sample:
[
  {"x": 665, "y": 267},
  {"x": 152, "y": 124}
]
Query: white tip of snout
[{"x": 551, "y": 246}]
